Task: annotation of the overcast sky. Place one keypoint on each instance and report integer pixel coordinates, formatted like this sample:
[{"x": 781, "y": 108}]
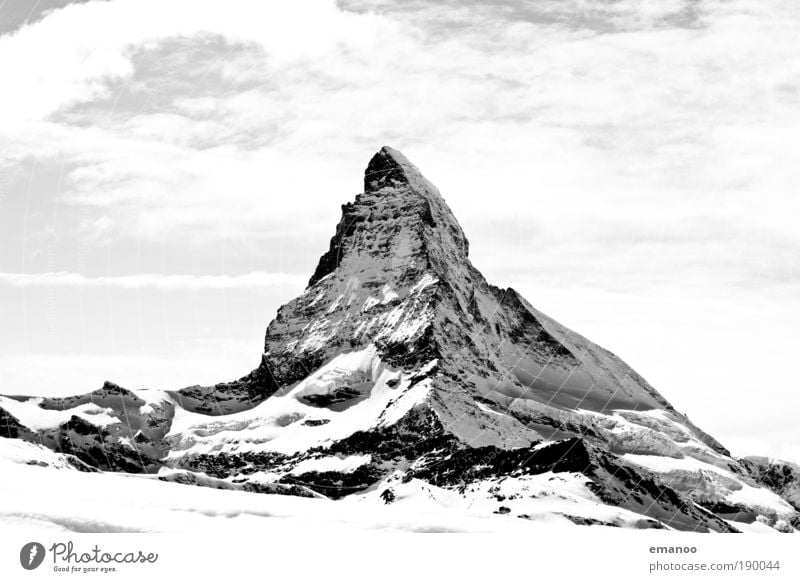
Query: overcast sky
[{"x": 171, "y": 170}]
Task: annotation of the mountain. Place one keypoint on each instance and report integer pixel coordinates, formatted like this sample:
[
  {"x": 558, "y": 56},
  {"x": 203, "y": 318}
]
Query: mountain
[{"x": 401, "y": 373}]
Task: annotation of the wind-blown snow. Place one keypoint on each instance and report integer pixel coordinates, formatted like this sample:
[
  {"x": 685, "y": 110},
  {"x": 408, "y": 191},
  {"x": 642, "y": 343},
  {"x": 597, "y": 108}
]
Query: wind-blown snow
[
  {"x": 337, "y": 464},
  {"x": 35, "y": 498},
  {"x": 151, "y": 398},
  {"x": 17, "y": 452},
  {"x": 726, "y": 485},
  {"x": 546, "y": 498},
  {"x": 388, "y": 294},
  {"x": 30, "y": 414},
  {"x": 760, "y": 497},
  {"x": 651, "y": 432},
  {"x": 427, "y": 279},
  {"x": 279, "y": 423}
]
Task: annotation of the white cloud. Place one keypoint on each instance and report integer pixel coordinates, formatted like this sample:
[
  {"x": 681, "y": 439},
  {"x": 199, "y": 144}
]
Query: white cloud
[
  {"x": 651, "y": 115},
  {"x": 71, "y": 54},
  {"x": 33, "y": 374},
  {"x": 159, "y": 281}
]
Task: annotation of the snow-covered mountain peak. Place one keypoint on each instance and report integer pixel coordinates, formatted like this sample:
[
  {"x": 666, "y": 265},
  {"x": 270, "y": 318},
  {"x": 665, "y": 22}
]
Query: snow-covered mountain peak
[
  {"x": 399, "y": 223},
  {"x": 389, "y": 167},
  {"x": 400, "y": 367}
]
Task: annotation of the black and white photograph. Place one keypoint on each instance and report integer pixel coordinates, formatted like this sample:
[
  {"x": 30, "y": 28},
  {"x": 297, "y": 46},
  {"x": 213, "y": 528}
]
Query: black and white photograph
[{"x": 391, "y": 289}]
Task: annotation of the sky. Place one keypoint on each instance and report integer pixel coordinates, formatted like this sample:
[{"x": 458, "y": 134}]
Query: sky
[{"x": 171, "y": 171}]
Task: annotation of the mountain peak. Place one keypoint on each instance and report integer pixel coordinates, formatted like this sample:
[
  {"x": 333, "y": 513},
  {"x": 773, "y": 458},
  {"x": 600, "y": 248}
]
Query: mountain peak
[
  {"x": 400, "y": 371},
  {"x": 400, "y": 221},
  {"x": 387, "y": 167}
]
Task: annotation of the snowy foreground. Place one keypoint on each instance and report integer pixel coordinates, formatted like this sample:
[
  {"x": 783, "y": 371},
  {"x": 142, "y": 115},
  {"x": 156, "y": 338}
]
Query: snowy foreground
[{"x": 60, "y": 498}]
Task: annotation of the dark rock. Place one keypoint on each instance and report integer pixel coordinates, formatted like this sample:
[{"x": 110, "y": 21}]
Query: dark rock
[
  {"x": 334, "y": 484},
  {"x": 781, "y": 477},
  {"x": 11, "y": 428},
  {"x": 388, "y": 496}
]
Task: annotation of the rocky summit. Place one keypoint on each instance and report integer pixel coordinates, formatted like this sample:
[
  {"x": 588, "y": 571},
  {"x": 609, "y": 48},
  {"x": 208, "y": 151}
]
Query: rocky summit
[{"x": 400, "y": 373}]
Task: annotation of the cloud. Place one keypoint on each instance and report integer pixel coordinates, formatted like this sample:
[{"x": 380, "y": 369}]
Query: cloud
[
  {"x": 151, "y": 280},
  {"x": 198, "y": 121},
  {"x": 17, "y": 13},
  {"x": 61, "y": 67},
  {"x": 32, "y": 373},
  {"x": 651, "y": 126}
]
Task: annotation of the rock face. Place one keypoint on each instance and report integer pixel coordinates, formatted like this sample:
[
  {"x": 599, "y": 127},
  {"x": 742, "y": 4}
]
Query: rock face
[
  {"x": 400, "y": 366},
  {"x": 779, "y": 476}
]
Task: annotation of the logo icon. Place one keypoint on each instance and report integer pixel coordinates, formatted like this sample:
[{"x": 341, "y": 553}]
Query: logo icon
[{"x": 31, "y": 555}]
